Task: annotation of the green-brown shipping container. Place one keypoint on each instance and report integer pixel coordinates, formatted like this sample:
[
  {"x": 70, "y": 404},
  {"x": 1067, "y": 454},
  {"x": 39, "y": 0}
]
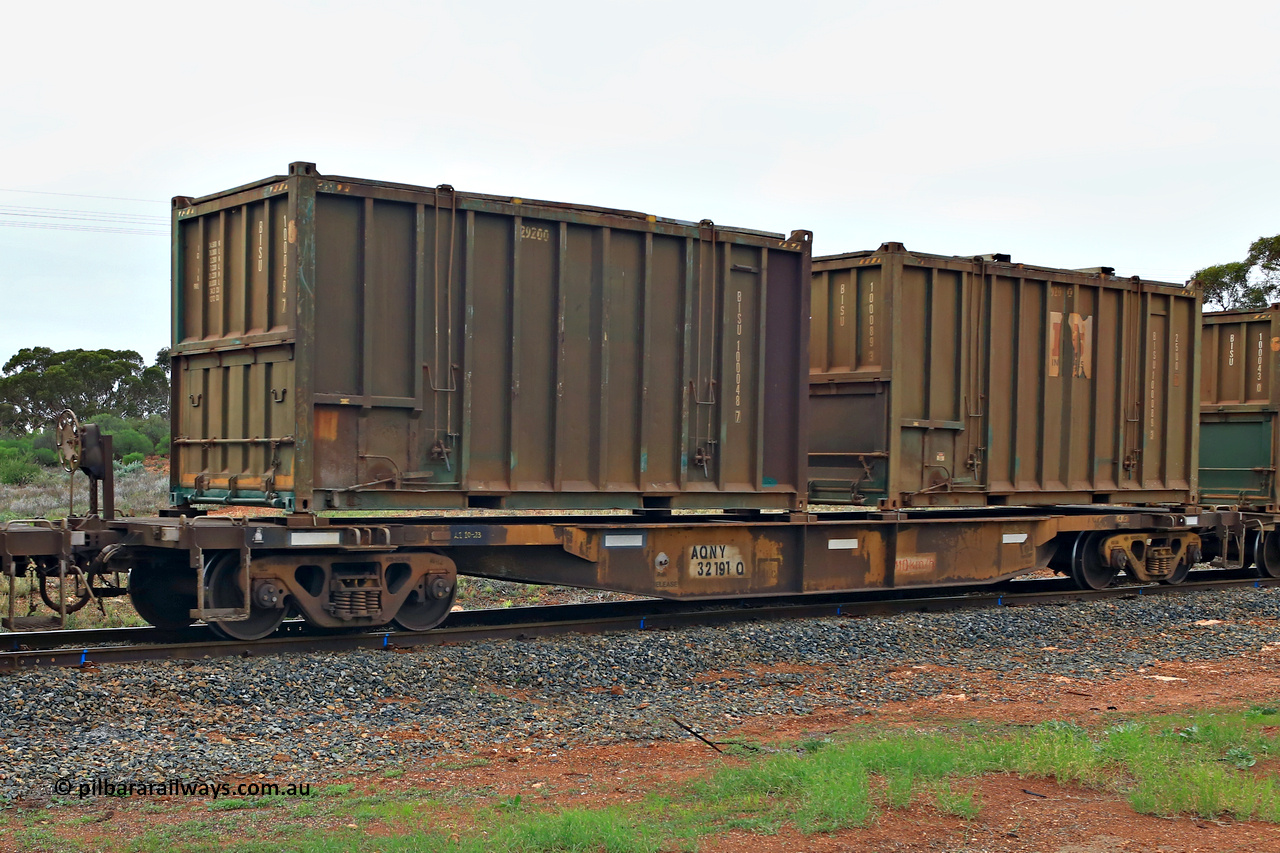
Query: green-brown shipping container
[
  {"x": 971, "y": 381},
  {"x": 345, "y": 343},
  {"x": 1238, "y": 408}
]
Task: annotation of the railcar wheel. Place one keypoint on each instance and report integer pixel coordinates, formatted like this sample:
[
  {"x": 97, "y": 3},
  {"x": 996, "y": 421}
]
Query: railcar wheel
[
  {"x": 222, "y": 589},
  {"x": 158, "y": 591},
  {"x": 1266, "y": 553},
  {"x": 1180, "y": 573},
  {"x": 1088, "y": 569},
  {"x": 427, "y": 606}
]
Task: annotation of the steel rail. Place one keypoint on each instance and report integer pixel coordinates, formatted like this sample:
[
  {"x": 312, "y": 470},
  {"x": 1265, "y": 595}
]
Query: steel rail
[{"x": 525, "y": 622}]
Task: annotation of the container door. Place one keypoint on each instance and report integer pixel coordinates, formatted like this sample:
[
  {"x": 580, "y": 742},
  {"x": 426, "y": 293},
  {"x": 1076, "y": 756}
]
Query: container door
[
  {"x": 388, "y": 308},
  {"x": 1236, "y": 463},
  {"x": 233, "y": 349},
  {"x": 849, "y": 380},
  {"x": 940, "y": 426}
]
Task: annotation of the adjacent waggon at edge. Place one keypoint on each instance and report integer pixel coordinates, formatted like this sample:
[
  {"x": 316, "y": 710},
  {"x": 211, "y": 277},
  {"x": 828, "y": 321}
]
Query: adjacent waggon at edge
[
  {"x": 1240, "y": 425},
  {"x": 954, "y": 381},
  {"x": 354, "y": 344},
  {"x": 1239, "y": 433}
]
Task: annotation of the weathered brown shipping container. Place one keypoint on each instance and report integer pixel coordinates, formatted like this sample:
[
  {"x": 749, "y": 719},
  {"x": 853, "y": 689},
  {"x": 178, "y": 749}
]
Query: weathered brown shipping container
[
  {"x": 1239, "y": 429},
  {"x": 350, "y": 343},
  {"x": 940, "y": 381}
]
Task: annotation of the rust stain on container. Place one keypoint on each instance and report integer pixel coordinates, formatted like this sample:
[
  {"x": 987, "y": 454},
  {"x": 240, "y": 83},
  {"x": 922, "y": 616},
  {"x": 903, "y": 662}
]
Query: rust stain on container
[
  {"x": 941, "y": 381},
  {"x": 362, "y": 344}
]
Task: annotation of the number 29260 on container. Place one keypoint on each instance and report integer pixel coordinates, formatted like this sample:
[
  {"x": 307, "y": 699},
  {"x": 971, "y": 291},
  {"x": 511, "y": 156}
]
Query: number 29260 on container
[{"x": 345, "y": 343}]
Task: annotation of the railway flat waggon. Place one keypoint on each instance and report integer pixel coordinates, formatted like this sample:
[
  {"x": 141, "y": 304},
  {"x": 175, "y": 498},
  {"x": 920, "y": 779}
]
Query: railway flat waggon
[
  {"x": 976, "y": 381},
  {"x": 344, "y": 347}
]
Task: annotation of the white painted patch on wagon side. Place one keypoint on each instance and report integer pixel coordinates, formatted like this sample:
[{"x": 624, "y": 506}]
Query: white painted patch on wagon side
[
  {"x": 1014, "y": 538},
  {"x": 841, "y": 544},
  {"x": 316, "y": 537}
]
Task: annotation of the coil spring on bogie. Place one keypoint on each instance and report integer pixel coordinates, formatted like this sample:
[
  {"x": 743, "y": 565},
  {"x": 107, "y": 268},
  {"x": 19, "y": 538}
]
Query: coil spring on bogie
[
  {"x": 1160, "y": 562},
  {"x": 350, "y": 603}
]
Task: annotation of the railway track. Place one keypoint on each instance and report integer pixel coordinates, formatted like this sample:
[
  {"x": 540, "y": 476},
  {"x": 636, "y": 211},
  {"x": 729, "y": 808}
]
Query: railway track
[{"x": 85, "y": 648}]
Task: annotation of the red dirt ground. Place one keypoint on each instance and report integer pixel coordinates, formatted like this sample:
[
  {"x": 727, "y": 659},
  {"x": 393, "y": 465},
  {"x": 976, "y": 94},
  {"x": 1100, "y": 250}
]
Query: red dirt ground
[{"x": 1016, "y": 814}]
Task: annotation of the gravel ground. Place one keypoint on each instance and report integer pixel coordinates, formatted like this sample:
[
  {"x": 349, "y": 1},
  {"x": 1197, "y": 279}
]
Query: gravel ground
[{"x": 320, "y": 716}]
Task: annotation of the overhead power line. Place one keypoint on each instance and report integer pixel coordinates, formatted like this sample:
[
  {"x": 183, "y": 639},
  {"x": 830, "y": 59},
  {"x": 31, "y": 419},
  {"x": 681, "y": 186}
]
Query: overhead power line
[
  {"x": 101, "y": 229},
  {"x": 98, "y": 215},
  {"x": 82, "y": 195},
  {"x": 94, "y": 221}
]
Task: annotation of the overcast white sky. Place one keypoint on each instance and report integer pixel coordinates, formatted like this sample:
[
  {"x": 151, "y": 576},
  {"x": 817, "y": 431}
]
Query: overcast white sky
[{"x": 1139, "y": 135}]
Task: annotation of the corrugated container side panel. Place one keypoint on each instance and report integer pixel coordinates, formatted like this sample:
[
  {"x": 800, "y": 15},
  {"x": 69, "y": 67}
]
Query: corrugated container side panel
[
  {"x": 579, "y": 384},
  {"x": 211, "y": 243},
  {"x": 1237, "y": 362},
  {"x": 488, "y": 376},
  {"x": 1156, "y": 416},
  {"x": 945, "y": 350},
  {"x": 235, "y": 285},
  {"x": 281, "y": 295},
  {"x": 187, "y": 422},
  {"x": 339, "y": 333},
  {"x": 1104, "y": 454},
  {"x": 847, "y": 334},
  {"x": 1077, "y": 467},
  {"x": 822, "y": 343},
  {"x": 1183, "y": 412},
  {"x": 927, "y": 375},
  {"x": 389, "y": 355},
  {"x": 1060, "y": 390},
  {"x": 1258, "y": 378},
  {"x": 786, "y": 310},
  {"x": 1075, "y": 471},
  {"x": 703, "y": 426},
  {"x": 624, "y": 328},
  {"x": 338, "y": 319},
  {"x": 911, "y": 381},
  {"x": 1033, "y": 362},
  {"x": 1230, "y": 364},
  {"x": 665, "y": 334},
  {"x": 280, "y": 385},
  {"x": 442, "y": 324},
  {"x": 1002, "y": 327},
  {"x": 391, "y": 299},
  {"x": 872, "y": 324},
  {"x": 741, "y": 368},
  {"x": 257, "y": 273},
  {"x": 1226, "y": 367},
  {"x": 192, "y": 289},
  {"x": 535, "y": 307}
]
